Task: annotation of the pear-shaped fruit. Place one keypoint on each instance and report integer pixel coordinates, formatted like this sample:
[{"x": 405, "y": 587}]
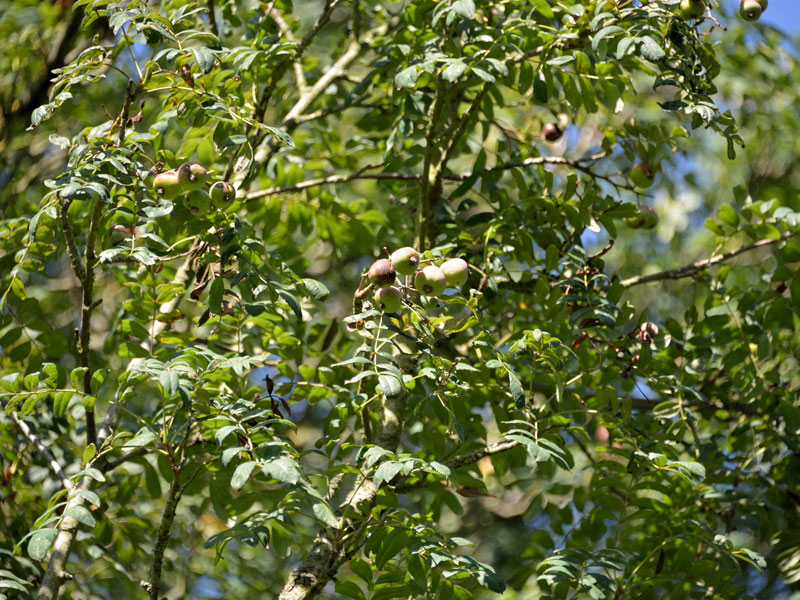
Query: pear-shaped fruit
[
  {"x": 649, "y": 217},
  {"x": 222, "y": 194},
  {"x": 692, "y": 9},
  {"x": 167, "y": 184},
  {"x": 552, "y": 132},
  {"x": 192, "y": 176},
  {"x": 430, "y": 281},
  {"x": 389, "y": 299},
  {"x": 405, "y": 260},
  {"x": 455, "y": 272},
  {"x": 750, "y": 10},
  {"x": 641, "y": 175},
  {"x": 382, "y": 273},
  {"x": 197, "y": 203},
  {"x": 646, "y": 218}
]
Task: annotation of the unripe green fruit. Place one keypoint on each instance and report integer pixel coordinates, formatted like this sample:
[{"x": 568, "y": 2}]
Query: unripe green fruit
[
  {"x": 649, "y": 217},
  {"x": 641, "y": 175},
  {"x": 455, "y": 272},
  {"x": 167, "y": 184},
  {"x": 382, "y": 273},
  {"x": 692, "y": 9},
  {"x": 389, "y": 299},
  {"x": 192, "y": 176},
  {"x": 750, "y": 10},
  {"x": 222, "y": 194},
  {"x": 405, "y": 260},
  {"x": 430, "y": 281},
  {"x": 197, "y": 203},
  {"x": 646, "y": 218},
  {"x": 552, "y": 132}
]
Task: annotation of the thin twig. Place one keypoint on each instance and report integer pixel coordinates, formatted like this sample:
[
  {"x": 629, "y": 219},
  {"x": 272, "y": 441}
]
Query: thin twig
[
  {"x": 86, "y": 314},
  {"x": 286, "y": 31},
  {"x": 51, "y": 461},
  {"x": 337, "y": 179},
  {"x": 110, "y": 466},
  {"x": 701, "y": 265},
  {"x": 212, "y": 18}
]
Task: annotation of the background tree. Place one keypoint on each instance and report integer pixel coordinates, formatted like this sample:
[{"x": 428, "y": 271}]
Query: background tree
[{"x": 204, "y": 399}]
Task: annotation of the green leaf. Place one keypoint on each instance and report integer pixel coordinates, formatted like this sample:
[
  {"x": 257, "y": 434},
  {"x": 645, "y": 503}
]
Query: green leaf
[
  {"x": 88, "y": 454},
  {"x": 651, "y": 50},
  {"x": 204, "y": 57},
  {"x": 50, "y": 372},
  {"x": 464, "y": 8},
  {"x": 391, "y": 386},
  {"x": 386, "y": 472},
  {"x": 407, "y": 77},
  {"x": 242, "y": 474},
  {"x": 350, "y": 589},
  {"x": 215, "y": 295},
  {"x": 40, "y": 543},
  {"x": 82, "y": 515},
  {"x": 324, "y": 513},
  {"x": 454, "y": 70},
  {"x": 728, "y": 216},
  {"x": 283, "y": 469},
  {"x": 316, "y": 289},
  {"x": 61, "y": 403},
  {"x": 515, "y": 385}
]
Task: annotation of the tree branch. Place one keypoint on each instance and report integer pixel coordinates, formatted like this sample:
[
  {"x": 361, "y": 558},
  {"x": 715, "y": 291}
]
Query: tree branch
[
  {"x": 360, "y": 174},
  {"x": 701, "y": 265},
  {"x": 37, "y": 93},
  {"x": 326, "y": 556},
  {"x": 51, "y": 461},
  {"x": 299, "y": 74},
  {"x": 86, "y": 314},
  {"x": 431, "y": 170},
  {"x": 153, "y": 587},
  {"x": 55, "y": 574},
  {"x": 212, "y": 17},
  {"x": 280, "y": 71},
  {"x": 457, "y": 462}
]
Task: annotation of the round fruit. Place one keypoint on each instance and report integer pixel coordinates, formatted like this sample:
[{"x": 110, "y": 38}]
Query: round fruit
[
  {"x": 641, "y": 175},
  {"x": 192, "y": 176},
  {"x": 197, "y": 203},
  {"x": 645, "y": 218},
  {"x": 455, "y": 272},
  {"x": 552, "y": 132},
  {"x": 693, "y": 9},
  {"x": 222, "y": 194},
  {"x": 167, "y": 184},
  {"x": 649, "y": 217},
  {"x": 382, "y": 273},
  {"x": 405, "y": 260},
  {"x": 389, "y": 299},
  {"x": 750, "y": 10},
  {"x": 430, "y": 281}
]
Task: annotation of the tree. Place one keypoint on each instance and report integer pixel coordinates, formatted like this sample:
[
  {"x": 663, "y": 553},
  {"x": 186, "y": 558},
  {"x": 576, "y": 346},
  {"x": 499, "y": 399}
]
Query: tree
[{"x": 206, "y": 400}]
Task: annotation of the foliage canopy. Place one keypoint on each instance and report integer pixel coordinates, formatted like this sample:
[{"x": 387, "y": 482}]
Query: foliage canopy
[{"x": 213, "y": 404}]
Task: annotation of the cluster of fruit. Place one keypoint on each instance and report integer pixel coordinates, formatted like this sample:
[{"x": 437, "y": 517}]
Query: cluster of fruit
[
  {"x": 749, "y": 10},
  {"x": 189, "y": 180},
  {"x": 429, "y": 280}
]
